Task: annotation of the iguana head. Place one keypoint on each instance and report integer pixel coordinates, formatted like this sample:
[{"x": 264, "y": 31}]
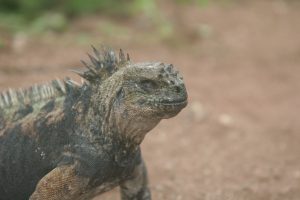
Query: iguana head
[
  {"x": 154, "y": 89},
  {"x": 137, "y": 96},
  {"x": 149, "y": 92}
]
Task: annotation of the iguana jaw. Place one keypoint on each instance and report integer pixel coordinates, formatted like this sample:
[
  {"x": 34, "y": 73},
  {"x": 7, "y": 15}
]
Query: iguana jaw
[{"x": 167, "y": 108}]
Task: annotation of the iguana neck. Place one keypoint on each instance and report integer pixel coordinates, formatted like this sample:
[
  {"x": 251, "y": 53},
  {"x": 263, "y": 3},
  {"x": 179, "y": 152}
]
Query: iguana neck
[{"x": 105, "y": 116}]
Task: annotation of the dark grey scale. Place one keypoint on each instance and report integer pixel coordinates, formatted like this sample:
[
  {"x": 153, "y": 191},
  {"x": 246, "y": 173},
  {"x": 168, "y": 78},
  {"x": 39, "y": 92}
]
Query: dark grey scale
[
  {"x": 22, "y": 112},
  {"x": 49, "y": 106},
  {"x": 169, "y": 68},
  {"x": 2, "y": 122},
  {"x": 162, "y": 71}
]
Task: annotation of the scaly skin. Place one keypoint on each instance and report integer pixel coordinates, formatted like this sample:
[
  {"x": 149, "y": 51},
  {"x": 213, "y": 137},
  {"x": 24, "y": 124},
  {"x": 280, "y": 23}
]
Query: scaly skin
[{"x": 69, "y": 141}]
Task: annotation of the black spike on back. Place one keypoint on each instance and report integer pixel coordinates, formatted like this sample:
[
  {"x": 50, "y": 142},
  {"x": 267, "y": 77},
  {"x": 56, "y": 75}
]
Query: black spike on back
[
  {"x": 96, "y": 52},
  {"x": 89, "y": 67},
  {"x": 80, "y": 73},
  {"x": 16, "y": 98},
  {"x": 58, "y": 86},
  {"x": 122, "y": 56},
  {"x": 68, "y": 84},
  {"x": 128, "y": 58},
  {"x": 104, "y": 63},
  {"x": 95, "y": 62}
]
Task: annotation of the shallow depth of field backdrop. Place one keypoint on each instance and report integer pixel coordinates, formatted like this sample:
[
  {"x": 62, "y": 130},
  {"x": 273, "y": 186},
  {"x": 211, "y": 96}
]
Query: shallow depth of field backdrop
[{"x": 238, "y": 139}]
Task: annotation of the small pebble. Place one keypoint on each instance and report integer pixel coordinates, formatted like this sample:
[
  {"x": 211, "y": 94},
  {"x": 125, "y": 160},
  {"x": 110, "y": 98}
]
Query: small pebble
[
  {"x": 197, "y": 111},
  {"x": 225, "y": 120}
]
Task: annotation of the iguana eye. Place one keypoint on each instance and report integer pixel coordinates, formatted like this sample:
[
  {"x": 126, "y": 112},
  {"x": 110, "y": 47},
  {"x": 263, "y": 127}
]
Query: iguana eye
[{"x": 148, "y": 85}]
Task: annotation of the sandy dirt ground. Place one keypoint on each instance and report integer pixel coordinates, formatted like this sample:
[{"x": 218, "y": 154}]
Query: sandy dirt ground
[{"x": 239, "y": 137}]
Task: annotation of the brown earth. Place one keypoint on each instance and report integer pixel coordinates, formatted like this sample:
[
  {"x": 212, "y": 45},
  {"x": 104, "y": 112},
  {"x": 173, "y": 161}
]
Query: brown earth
[{"x": 238, "y": 139}]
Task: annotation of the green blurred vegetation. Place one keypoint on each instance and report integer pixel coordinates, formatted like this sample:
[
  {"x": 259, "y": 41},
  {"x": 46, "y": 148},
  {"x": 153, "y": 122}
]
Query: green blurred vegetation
[
  {"x": 33, "y": 8},
  {"x": 40, "y": 15},
  {"x": 43, "y": 15},
  {"x": 199, "y": 2}
]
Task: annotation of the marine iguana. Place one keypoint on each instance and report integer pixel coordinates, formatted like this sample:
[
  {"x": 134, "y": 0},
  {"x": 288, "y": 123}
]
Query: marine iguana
[{"x": 65, "y": 140}]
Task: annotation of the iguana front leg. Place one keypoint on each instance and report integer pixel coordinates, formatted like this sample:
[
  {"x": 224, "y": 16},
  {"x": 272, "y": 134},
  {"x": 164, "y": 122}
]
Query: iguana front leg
[
  {"x": 136, "y": 188},
  {"x": 61, "y": 183}
]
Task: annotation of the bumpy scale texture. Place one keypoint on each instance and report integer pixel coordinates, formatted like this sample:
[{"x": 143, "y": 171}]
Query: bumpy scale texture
[{"x": 70, "y": 141}]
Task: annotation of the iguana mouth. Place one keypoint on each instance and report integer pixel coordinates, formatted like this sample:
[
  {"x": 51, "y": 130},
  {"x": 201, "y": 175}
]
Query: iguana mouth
[
  {"x": 171, "y": 107},
  {"x": 165, "y": 102},
  {"x": 180, "y": 102},
  {"x": 176, "y": 102}
]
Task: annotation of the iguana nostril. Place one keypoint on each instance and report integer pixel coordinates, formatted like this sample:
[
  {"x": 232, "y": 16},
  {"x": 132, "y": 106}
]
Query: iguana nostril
[{"x": 178, "y": 89}]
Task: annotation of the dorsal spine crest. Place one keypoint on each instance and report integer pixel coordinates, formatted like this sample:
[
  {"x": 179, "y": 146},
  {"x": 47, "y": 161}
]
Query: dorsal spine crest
[{"x": 103, "y": 63}]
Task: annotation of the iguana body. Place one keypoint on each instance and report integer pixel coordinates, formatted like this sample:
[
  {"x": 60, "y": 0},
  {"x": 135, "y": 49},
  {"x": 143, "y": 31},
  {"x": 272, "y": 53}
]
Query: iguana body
[{"x": 68, "y": 141}]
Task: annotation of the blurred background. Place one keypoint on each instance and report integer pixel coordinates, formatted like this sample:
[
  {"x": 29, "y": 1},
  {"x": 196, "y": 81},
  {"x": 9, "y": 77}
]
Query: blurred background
[{"x": 238, "y": 139}]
